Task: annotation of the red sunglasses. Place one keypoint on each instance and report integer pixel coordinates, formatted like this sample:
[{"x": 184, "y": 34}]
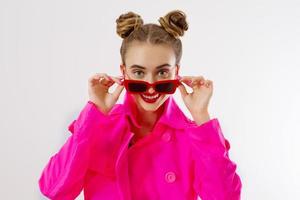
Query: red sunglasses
[{"x": 163, "y": 86}]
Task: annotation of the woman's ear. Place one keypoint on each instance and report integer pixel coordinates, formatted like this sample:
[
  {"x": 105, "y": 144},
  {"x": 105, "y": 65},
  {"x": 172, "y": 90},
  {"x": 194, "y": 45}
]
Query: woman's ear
[
  {"x": 177, "y": 69},
  {"x": 122, "y": 69}
]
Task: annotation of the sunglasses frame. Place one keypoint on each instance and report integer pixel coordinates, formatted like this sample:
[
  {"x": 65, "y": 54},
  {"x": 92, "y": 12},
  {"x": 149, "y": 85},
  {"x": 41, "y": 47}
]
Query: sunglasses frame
[{"x": 176, "y": 82}]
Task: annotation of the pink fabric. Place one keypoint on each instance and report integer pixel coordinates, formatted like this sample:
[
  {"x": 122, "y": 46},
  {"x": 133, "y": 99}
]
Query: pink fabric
[{"x": 177, "y": 160}]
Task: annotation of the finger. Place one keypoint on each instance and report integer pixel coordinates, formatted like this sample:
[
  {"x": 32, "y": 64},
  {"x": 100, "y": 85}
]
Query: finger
[
  {"x": 189, "y": 83},
  {"x": 198, "y": 81},
  {"x": 117, "y": 79},
  {"x": 209, "y": 83},
  {"x": 110, "y": 80},
  {"x": 93, "y": 80},
  {"x": 106, "y": 80},
  {"x": 187, "y": 80},
  {"x": 192, "y": 83},
  {"x": 201, "y": 80},
  {"x": 182, "y": 90},
  {"x": 96, "y": 78},
  {"x": 195, "y": 82}
]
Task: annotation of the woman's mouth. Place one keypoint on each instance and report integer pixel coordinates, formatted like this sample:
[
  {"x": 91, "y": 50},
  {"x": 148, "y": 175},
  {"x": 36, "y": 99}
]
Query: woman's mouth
[{"x": 150, "y": 98}]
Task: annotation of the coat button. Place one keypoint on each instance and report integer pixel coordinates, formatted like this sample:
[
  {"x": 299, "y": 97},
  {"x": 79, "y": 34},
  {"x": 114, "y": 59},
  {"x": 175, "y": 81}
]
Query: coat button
[
  {"x": 170, "y": 177},
  {"x": 166, "y": 137}
]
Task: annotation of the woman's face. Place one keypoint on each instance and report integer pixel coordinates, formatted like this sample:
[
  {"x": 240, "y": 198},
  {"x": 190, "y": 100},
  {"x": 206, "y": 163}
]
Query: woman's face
[{"x": 149, "y": 63}]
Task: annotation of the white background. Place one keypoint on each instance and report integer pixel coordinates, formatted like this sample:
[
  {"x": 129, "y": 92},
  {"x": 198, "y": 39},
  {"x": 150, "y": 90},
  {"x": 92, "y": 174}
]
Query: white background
[{"x": 249, "y": 49}]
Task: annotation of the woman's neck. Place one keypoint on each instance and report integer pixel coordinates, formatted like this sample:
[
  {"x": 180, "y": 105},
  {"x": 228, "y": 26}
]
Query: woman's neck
[
  {"x": 149, "y": 117},
  {"x": 147, "y": 122}
]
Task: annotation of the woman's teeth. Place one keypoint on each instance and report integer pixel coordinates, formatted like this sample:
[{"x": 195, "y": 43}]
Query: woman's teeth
[{"x": 150, "y": 97}]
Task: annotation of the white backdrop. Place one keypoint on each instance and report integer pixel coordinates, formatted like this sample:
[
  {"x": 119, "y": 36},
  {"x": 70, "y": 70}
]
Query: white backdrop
[{"x": 249, "y": 49}]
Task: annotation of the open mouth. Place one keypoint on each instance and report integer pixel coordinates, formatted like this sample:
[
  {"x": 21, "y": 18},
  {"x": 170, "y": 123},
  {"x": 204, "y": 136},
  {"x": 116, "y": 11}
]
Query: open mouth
[{"x": 150, "y": 98}]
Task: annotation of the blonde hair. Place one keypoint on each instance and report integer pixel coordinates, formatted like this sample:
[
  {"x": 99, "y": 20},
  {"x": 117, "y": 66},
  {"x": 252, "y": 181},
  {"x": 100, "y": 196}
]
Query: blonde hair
[{"x": 131, "y": 27}]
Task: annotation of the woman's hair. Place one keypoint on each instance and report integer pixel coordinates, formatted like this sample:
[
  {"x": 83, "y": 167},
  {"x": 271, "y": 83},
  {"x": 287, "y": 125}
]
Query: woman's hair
[{"x": 131, "y": 27}]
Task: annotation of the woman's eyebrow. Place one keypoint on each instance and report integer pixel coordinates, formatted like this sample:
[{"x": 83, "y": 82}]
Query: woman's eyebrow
[{"x": 158, "y": 67}]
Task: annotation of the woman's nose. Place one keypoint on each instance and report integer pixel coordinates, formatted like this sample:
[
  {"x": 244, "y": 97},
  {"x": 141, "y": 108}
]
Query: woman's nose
[{"x": 151, "y": 90}]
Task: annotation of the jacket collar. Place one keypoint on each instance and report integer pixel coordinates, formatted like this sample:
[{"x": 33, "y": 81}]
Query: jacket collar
[{"x": 172, "y": 115}]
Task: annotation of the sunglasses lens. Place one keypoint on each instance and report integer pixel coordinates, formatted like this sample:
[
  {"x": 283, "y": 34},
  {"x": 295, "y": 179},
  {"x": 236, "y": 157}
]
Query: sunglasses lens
[
  {"x": 165, "y": 87},
  {"x": 137, "y": 87}
]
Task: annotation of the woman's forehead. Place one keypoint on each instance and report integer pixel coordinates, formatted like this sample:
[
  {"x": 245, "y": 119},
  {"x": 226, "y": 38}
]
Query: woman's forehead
[{"x": 150, "y": 56}]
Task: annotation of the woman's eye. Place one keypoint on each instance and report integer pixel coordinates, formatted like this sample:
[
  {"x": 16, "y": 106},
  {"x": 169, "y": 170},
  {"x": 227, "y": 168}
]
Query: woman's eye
[
  {"x": 138, "y": 73},
  {"x": 163, "y": 72}
]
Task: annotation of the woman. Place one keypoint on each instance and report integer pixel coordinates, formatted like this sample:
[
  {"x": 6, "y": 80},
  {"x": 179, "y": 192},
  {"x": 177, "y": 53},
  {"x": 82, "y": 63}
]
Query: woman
[{"x": 145, "y": 148}]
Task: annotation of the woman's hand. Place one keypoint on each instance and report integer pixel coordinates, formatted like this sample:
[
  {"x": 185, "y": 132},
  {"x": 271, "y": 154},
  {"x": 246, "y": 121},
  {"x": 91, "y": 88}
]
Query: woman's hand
[
  {"x": 98, "y": 86},
  {"x": 198, "y": 100}
]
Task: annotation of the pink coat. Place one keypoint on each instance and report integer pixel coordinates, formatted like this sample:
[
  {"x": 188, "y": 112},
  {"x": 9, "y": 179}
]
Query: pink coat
[{"x": 178, "y": 160}]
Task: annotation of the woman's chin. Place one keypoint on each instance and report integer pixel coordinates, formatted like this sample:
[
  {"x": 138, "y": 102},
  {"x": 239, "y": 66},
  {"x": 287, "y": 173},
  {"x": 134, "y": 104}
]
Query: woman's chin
[{"x": 149, "y": 107}]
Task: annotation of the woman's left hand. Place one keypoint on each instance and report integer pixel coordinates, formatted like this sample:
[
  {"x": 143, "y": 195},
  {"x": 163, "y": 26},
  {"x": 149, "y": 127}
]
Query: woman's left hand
[{"x": 198, "y": 100}]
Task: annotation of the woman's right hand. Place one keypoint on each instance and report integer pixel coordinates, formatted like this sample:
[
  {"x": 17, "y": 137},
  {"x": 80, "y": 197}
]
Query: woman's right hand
[{"x": 98, "y": 86}]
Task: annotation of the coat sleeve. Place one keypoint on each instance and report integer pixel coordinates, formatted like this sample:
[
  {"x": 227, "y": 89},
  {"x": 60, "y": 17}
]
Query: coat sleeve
[
  {"x": 215, "y": 174},
  {"x": 63, "y": 176}
]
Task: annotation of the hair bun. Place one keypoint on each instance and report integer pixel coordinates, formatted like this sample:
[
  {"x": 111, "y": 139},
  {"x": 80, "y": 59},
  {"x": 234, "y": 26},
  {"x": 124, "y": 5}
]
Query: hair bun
[
  {"x": 175, "y": 23},
  {"x": 127, "y": 22}
]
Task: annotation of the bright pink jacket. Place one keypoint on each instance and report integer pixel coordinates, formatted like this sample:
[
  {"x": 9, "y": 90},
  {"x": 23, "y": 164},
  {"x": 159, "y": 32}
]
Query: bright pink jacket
[{"x": 178, "y": 160}]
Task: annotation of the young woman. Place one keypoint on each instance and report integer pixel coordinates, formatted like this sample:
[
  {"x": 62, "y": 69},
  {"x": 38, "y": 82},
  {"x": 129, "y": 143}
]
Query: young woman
[{"x": 145, "y": 148}]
